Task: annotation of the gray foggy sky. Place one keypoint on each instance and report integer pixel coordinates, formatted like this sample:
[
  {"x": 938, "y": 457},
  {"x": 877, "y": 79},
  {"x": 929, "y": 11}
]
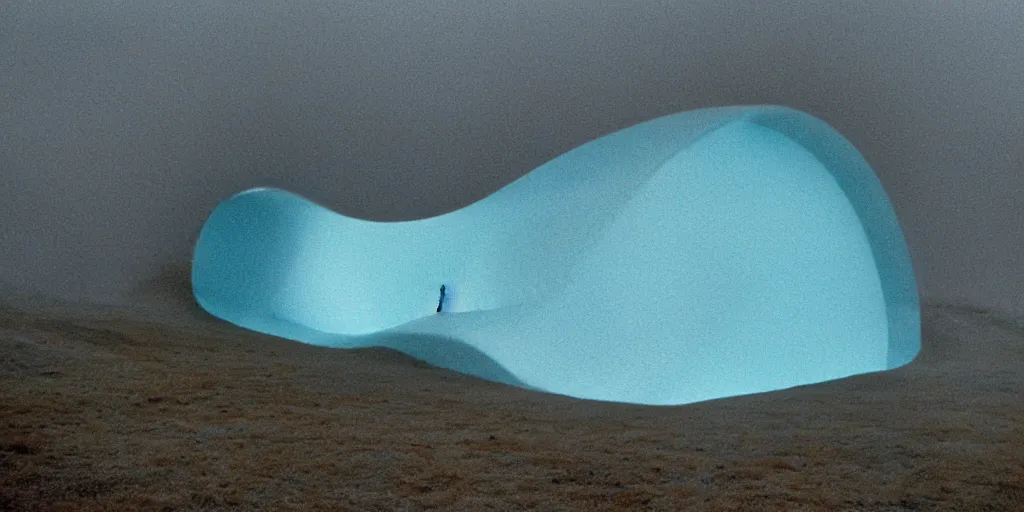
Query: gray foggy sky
[{"x": 123, "y": 123}]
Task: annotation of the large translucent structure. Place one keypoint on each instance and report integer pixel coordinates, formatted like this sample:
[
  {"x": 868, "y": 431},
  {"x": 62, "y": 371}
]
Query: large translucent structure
[{"x": 701, "y": 255}]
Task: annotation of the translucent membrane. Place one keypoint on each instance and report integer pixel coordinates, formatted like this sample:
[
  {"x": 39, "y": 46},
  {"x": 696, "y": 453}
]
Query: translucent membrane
[{"x": 706, "y": 254}]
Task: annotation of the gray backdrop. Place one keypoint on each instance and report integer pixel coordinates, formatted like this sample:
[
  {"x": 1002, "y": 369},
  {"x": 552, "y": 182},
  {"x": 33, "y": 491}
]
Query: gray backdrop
[{"x": 123, "y": 123}]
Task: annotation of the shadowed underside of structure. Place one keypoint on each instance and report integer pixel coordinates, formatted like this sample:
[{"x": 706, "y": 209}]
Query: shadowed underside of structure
[{"x": 705, "y": 254}]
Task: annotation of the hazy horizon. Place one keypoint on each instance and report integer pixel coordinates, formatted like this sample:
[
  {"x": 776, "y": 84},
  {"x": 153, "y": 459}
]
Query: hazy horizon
[{"x": 124, "y": 124}]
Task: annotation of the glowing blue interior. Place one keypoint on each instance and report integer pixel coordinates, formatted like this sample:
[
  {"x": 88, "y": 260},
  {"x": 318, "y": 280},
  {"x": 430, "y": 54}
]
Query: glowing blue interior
[{"x": 701, "y": 255}]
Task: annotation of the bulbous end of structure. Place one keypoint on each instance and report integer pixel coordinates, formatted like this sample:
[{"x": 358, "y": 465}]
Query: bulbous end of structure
[{"x": 706, "y": 254}]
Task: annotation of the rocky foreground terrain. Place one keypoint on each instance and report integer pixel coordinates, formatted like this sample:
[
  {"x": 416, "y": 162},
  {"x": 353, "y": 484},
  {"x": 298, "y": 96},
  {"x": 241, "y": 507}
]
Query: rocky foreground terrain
[{"x": 110, "y": 411}]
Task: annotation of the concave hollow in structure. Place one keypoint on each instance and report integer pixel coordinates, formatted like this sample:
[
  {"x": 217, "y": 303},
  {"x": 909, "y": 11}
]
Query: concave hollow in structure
[{"x": 706, "y": 254}]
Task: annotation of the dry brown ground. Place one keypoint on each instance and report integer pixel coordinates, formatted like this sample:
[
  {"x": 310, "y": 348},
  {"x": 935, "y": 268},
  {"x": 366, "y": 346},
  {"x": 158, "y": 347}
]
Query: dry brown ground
[{"x": 109, "y": 413}]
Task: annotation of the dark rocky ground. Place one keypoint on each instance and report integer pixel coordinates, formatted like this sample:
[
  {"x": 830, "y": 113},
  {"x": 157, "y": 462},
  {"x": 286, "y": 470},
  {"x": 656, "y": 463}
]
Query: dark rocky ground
[{"x": 115, "y": 412}]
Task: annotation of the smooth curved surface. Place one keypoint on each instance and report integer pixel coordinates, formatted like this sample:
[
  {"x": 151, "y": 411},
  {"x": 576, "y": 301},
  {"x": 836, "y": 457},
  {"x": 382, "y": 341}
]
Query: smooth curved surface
[{"x": 705, "y": 254}]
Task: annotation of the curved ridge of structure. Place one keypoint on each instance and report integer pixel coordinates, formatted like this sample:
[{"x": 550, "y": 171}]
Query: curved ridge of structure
[{"x": 701, "y": 255}]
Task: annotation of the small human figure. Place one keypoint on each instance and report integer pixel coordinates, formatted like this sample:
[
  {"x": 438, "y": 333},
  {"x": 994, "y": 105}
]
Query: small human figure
[{"x": 440, "y": 301}]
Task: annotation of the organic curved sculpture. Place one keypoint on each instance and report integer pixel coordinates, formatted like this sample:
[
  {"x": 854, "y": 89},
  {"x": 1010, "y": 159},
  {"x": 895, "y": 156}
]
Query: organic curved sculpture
[{"x": 705, "y": 254}]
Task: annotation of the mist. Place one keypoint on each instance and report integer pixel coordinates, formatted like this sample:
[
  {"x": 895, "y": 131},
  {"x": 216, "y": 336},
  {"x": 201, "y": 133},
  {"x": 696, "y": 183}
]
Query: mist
[{"x": 123, "y": 124}]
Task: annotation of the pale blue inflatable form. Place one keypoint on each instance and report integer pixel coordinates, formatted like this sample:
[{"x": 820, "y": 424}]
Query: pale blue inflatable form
[{"x": 701, "y": 255}]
